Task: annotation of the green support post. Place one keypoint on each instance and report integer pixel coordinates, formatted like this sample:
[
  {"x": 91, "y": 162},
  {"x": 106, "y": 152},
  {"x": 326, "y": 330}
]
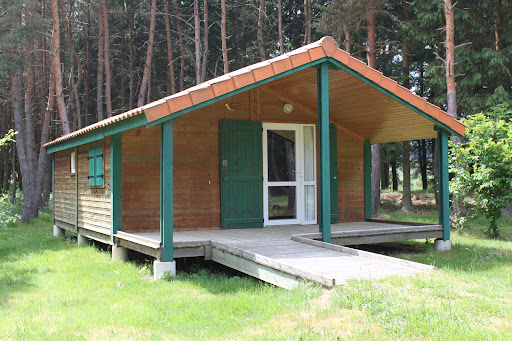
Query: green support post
[
  {"x": 324, "y": 153},
  {"x": 444, "y": 203},
  {"x": 367, "y": 180},
  {"x": 116, "y": 184},
  {"x": 166, "y": 191}
]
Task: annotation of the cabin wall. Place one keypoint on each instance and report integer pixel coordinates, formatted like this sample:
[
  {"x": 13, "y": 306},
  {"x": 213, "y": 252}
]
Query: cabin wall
[
  {"x": 141, "y": 179},
  {"x": 196, "y": 159},
  {"x": 76, "y": 203},
  {"x": 350, "y": 178}
]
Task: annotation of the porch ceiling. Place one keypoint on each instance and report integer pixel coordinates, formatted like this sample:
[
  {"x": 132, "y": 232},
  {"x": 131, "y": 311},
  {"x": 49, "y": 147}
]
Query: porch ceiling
[{"x": 356, "y": 106}]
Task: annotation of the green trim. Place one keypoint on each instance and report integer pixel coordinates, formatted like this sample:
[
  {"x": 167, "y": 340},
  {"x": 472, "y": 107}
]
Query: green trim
[
  {"x": 392, "y": 95},
  {"x": 100, "y": 133},
  {"x": 53, "y": 188},
  {"x": 166, "y": 191},
  {"x": 177, "y": 114},
  {"x": 367, "y": 179},
  {"x": 116, "y": 185},
  {"x": 444, "y": 201},
  {"x": 324, "y": 153}
]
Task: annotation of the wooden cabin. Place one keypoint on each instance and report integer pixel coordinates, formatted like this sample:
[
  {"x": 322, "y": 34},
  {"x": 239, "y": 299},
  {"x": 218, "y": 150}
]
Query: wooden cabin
[{"x": 281, "y": 145}]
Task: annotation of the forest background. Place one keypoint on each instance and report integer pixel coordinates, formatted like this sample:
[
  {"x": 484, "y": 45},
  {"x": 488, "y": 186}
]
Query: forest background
[{"x": 65, "y": 64}]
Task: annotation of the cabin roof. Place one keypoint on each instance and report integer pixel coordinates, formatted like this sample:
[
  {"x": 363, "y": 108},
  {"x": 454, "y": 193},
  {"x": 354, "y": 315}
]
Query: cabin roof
[{"x": 362, "y": 99}]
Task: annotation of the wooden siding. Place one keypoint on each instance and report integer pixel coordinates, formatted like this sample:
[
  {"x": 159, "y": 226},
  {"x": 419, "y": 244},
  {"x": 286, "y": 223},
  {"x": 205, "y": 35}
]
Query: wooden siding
[
  {"x": 350, "y": 178},
  {"x": 196, "y": 170},
  {"x": 75, "y": 200},
  {"x": 141, "y": 179}
]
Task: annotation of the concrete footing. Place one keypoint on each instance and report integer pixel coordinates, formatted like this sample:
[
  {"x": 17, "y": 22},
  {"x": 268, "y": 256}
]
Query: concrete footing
[
  {"x": 164, "y": 268},
  {"x": 119, "y": 253},
  {"x": 58, "y": 232},
  {"x": 442, "y": 245},
  {"x": 81, "y": 239}
]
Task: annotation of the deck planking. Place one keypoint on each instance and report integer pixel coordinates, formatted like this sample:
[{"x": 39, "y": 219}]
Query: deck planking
[{"x": 286, "y": 255}]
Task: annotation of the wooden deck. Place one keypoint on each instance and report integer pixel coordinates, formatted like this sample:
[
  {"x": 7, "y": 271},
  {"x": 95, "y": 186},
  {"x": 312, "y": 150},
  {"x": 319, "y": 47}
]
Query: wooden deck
[{"x": 286, "y": 255}]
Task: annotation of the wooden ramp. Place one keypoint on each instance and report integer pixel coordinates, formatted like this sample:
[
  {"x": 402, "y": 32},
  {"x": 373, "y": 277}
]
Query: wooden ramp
[{"x": 286, "y": 263}]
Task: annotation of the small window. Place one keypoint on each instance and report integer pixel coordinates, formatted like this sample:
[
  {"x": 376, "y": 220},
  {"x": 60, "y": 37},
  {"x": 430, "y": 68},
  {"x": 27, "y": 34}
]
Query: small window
[
  {"x": 72, "y": 160},
  {"x": 95, "y": 166}
]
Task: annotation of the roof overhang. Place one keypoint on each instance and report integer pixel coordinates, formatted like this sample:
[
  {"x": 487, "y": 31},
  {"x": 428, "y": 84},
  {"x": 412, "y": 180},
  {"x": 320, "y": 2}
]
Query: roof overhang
[{"x": 361, "y": 99}]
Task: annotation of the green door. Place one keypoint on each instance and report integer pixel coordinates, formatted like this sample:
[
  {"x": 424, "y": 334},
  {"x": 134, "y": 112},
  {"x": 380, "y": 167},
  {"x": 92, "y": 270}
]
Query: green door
[
  {"x": 241, "y": 171},
  {"x": 334, "y": 173}
]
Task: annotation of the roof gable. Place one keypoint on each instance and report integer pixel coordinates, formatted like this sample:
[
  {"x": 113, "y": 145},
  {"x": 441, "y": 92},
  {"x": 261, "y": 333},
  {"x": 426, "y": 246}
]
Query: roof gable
[{"x": 325, "y": 49}]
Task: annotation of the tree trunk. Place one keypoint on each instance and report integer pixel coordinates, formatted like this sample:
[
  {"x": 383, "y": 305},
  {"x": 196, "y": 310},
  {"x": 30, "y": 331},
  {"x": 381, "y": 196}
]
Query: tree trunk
[
  {"x": 280, "y": 25},
  {"x": 169, "y": 47},
  {"x": 197, "y": 41},
  {"x": 394, "y": 175},
  {"x": 451, "y": 92},
  {"x": 182, "y": 46},
  {"x": 347, "y": 41},
  {"x": 423, "y": 164},
  {"x": 23, "y": 143},
  {"x": 74, "y": 99},
  {"x": 384, "y": 176},
  {"x": 87, "y": 120},
  {"x": 406, "y": 196},
  {"x": 132, "y": 57},
  {"x": 147, "y": 65},
  {"x": 205, "y": 41},
  {"x": 225, "y": 59},
  {"x": 261, "y": 43},
  {"x": 106, "y": 51},
  {"x": 435, "y": 166},
  {"x": 372, "y": 37},
  {"x": 101, "y": 64},
  {"x": 56, "y": 69},
  {"x": 307, "y": 22},
  {"x": 372, "y": 62}
]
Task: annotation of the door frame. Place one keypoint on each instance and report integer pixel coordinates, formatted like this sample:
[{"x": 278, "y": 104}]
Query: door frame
[{"x": 299, "y": 182}]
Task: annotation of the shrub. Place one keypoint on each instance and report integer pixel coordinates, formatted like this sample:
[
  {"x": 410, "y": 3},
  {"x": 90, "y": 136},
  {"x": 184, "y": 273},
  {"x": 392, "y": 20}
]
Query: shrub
[
  {"x": 482, "y": 163},
  {"x": 9, "y": 212}
]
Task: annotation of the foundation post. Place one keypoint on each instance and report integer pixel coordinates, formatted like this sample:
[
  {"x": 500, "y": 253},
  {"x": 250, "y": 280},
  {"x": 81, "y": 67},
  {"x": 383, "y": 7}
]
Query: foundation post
[{"x": 58, "y": 232}]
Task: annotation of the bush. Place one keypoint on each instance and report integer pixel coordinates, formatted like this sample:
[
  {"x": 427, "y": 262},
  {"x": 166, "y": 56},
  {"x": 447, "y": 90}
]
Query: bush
[
  {"x": 482, "y": 163},
  {"x": 9, "y": 212}
]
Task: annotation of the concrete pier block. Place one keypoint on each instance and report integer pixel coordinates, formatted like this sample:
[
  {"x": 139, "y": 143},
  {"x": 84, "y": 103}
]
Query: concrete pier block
[
  {"x": 81, "y": 239},
  {"x": 442, "y": 245},
  {"x": 162, "y": 268},
  {"x": 58, "y": 232},
  {"x": 119, "y": 253}
]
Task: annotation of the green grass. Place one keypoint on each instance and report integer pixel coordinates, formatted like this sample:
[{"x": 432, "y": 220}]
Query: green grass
[{"x": 52, "y": 289}]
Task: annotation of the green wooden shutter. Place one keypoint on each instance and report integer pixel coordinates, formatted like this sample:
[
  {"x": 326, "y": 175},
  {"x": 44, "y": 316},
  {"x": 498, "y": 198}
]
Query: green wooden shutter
[
  {"x": 334, "y": 173},
  {"x": 99, "y": 166},
  {"x": 241, "y": 169},
  {"x": 92, "y": 168}
]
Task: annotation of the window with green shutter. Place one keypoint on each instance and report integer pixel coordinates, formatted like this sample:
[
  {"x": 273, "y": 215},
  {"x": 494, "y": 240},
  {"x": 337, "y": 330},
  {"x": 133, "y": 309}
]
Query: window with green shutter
[{"x": 95, "y": 166}]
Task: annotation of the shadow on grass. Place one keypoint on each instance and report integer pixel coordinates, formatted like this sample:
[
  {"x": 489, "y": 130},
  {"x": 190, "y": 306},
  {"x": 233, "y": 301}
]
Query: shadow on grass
[
  {"x": 211, "y": 276},
  {"x": 18, "y": 242}
]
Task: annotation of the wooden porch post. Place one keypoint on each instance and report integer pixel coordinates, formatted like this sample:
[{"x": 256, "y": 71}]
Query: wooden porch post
[
  {"x": 367, "y": 180},
  {"x": 324, "y": 215},
  {"x": 116, "y": 183},
  {"x": 444, "y": 203},
  {"x": 166, "y": 191}
]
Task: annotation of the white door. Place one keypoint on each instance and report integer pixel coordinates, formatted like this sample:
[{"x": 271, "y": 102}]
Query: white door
[{"x": 289, "y": 174}]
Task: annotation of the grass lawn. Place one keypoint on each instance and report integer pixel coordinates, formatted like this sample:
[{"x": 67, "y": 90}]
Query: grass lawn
[{"x": 52, "y": 289}]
